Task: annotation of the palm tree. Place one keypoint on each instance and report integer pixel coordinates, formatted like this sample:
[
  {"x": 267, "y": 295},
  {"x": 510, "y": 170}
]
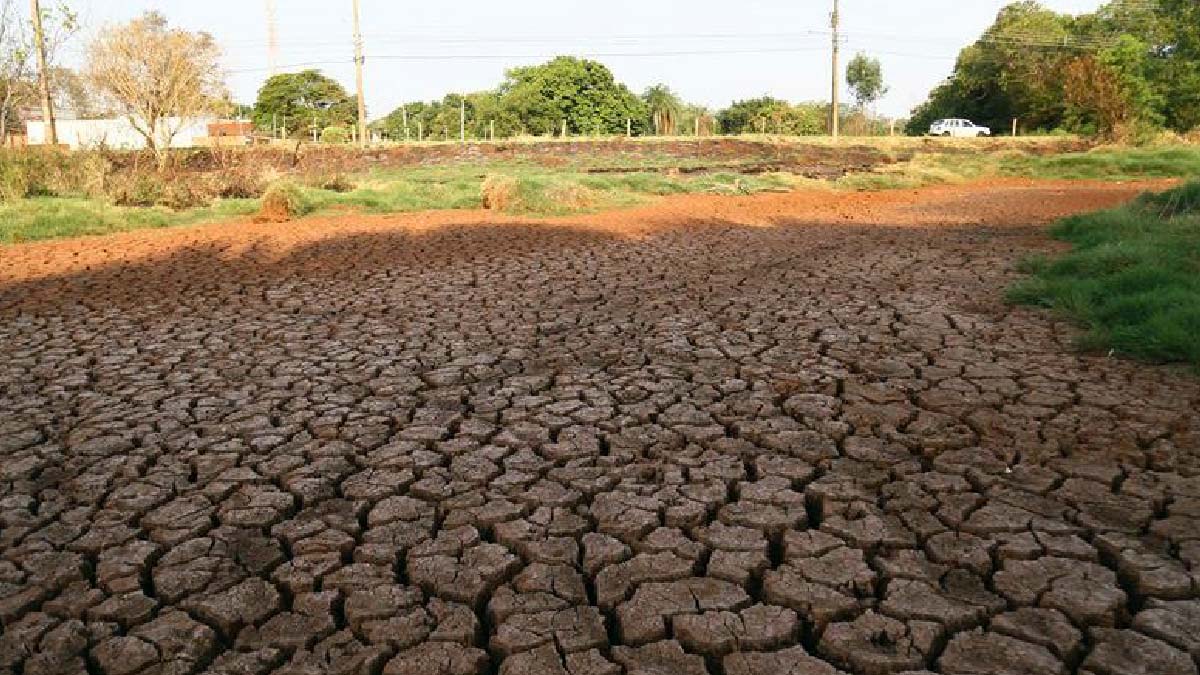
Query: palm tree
[{"x": 665, "y": 109}]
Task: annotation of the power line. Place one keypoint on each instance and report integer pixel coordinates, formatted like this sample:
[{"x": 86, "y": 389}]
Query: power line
[{"x": 493, "y": 56}]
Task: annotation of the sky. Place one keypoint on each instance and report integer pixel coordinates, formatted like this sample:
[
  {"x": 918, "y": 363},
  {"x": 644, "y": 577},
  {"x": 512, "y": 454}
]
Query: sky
[{"x": 711, "y": 52}]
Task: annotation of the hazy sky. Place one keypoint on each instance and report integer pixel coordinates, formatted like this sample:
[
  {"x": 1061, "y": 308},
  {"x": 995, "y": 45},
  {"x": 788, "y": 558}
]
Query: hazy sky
[{"x": 710, "y": 51}]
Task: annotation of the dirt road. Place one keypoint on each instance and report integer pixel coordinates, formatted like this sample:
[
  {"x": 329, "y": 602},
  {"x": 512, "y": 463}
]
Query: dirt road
[{"x": 791, "y": 433}]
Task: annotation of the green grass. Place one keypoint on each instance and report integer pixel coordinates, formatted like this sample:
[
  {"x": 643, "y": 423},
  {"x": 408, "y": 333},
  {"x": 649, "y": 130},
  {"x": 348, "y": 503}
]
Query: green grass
[
  {"x": 39, "y": 218},
  {"x": 1133, "y": 278},
  {"x": 571, "y": 189},
  {"x": 1114, "y": 164},
  {"x": 541, "y": 191},
  {"x": 1108, "y": 164}
]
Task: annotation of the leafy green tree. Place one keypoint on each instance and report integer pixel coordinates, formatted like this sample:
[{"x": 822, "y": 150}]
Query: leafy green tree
[
  {"x": 665, "y": 109},
  {"x": 297, "y": 101},
  {"x": 771, "y": 115},
  {"x": 748, "y": 116},
  {"x": 864, "y": 76},
  {"x": 1177, "y": 62},
  {"x": 1014, "y": 70},
  {"x": 584, "y": 93},
  {"x": 1127, "y": 68}
]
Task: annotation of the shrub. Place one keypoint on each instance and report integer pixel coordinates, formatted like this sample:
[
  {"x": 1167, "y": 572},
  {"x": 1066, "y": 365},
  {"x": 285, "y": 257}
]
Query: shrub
[
  {"x": 499, "y": 192},
  {"x": 339, "y": 135},
  {"x": 571, "y": 197},
  {"x": 336, "y": 183},
  {"x": 282, "y": 202},
  {"x": 135, "y": 188},
  {"x": 239, "y": 183},
  {"x": 16, "y": 178}
]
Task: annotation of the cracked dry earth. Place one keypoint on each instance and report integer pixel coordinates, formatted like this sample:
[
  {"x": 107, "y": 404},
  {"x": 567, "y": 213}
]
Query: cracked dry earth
[{"x": 785, "y": 435}]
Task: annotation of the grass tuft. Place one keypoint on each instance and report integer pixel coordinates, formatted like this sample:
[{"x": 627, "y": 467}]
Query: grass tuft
[
  {"x": 283, "y": 201},
  {"x": 1133, "y": 278}
]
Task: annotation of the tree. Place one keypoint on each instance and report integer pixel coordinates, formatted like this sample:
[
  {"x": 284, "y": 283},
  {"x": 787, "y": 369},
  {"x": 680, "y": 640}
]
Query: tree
[
  {"x": 1177, "y": 62},
  {"x": 159, "y": 77},
  {"x": 15, "y": 53},
  {"x": 581, "y": 92},
  {"x": 18, "y": 85},
  {"x": 73, "y": 92},
  {"x": 771, "y": 115},
  {"x": 665, "y": 109},
  {"x": 1015, "y": 69},
  {"x": 1111, "y": 93},
  {"x": 298, "y": 101},
  {"x": 1128, "y": 68},
  {"x": 864, "y": 76}
]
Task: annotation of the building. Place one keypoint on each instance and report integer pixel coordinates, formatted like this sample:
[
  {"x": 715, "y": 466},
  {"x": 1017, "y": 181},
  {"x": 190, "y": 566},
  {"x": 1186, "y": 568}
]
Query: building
[
  {"x": 117, "y": 133},
  {"x": 228, "y": 133}
]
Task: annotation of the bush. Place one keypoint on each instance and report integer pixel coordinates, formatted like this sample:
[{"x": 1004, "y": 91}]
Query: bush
[
  {"x": 500, "y": 192},
  {"x": 338, "y": 135},
  {"x": 283, "y": 201},
  {"x": 335, "y": 183},
  {"x": 135, "y": 189},
  {"x": 16, "y": 178},
  {"x": 239, "y": 183}
]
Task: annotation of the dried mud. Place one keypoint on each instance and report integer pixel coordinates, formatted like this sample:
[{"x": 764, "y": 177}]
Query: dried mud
[{"x": 795, "y": 433}]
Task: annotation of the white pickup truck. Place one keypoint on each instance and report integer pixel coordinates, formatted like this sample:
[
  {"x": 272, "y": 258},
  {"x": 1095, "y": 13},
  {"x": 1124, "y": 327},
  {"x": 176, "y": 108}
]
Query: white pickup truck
[{"x": 958, "y": 129}]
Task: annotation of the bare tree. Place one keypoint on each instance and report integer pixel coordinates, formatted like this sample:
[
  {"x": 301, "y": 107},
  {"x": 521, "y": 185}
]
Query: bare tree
[
  {"x": 18, "y": 84},
  {"x": 15, "y": 54},
  {"x": 159, "y": 77}
]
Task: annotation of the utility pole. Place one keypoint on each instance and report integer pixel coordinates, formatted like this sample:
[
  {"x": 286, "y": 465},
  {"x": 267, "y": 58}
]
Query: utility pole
[
  {"x": 835, "y": 20},
  {"x": 462, "y": 119},
  {"x": 39, "y": 37},
  {"x": 358, "y": 74},
  {"x": 272, "y": 40}
]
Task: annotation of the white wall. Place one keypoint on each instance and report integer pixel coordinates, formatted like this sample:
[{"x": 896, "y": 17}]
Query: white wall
[{"x": 115, "y": 133}]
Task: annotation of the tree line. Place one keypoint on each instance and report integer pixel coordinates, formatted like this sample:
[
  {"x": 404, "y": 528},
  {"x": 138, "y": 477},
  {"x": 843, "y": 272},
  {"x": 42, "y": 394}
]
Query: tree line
[
  {"x": 1123, "y": 72},
  {"x": 567, "y": 95}
]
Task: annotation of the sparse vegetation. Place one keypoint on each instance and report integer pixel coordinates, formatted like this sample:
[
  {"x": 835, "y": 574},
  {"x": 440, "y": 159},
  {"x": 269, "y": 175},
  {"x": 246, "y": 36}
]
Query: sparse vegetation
[
  {"x": 1133, "y": 278},
  {"x": 52, "y": 194},
  {"x": 1114, "y": 164}
]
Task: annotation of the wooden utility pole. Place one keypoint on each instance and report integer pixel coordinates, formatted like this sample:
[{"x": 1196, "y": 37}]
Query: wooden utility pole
[
  {"x": 39, "y": 37},
  {"x": 836, "y": 20},
  {"x": 359, "y": 59},
  {"x": 272, "y": 40}
]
